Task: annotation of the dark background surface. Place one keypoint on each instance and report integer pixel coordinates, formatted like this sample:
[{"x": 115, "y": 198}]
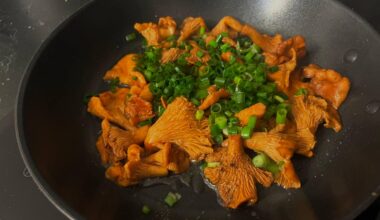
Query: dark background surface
[{"x": 24, "y": 26}]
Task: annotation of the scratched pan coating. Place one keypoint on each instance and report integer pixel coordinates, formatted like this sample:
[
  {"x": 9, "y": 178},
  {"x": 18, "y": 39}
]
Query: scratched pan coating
[{"x": 57, "y": 137}]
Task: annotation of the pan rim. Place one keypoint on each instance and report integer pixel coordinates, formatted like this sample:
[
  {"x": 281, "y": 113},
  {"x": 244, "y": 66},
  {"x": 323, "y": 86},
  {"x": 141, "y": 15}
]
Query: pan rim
[
  {"x": 38, "y": 179},
  {"x": 42, "y": 185}
]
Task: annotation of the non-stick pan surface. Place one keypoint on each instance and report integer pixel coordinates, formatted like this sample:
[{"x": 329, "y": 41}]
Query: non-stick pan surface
[{"x": 57, "y": 137}]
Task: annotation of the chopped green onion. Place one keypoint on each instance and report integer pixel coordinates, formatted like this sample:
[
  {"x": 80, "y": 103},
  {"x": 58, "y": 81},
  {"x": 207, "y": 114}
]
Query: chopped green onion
[
  {"x": 160, "y": 110},
  {"x": 213, "y": 164},
  {"x": 201, "y": 94},
  {"x": 148, "y": 74},
  {"x": 234, "y": 121},
  {"x": 228, "y": 113},
  {"x": 199, "y": 54},
  {"x": 204, "y": 83},
  {"x": 150, "y": 55},
  {"x": 263, "y": 95},
  {"x": 145, "y": 209},
  {"x": 274, "y": 168},
  {"x": 199, "y": 114},
  {"x": 218, "y": 138},
  {"x": 203, "y": 165},
  {"x": 171, "y": 38},
  {"x": 216, "y": 108},
  {"x": 204, "y": 70},
  {"x": 241, "y": 68},
  {"x": 255, "y": 49},
  {"x": 221, "y": 121},
  {"x": 146, "y": 122},
  {"x": 134, "y": 78},
  {"x": 239, "y": 97},
  {"x": 237, "y": 80},
  {"x": 273, "y": 69},
  {"x": 279, "y": 98},
  {"x": 232, "y": 130},
  {"x": 248, "y": 57},
  {"x": 114, "y": 84},
  {"x": 232, "y": 59},
  {"x": 219, "y": 38},
  {"x": 258, "y": 57},
  {"x": 252, "y": 121},
  {"x": 281, "y": 116},
  {"x": 301, "y": 91},
  {"x": 195, "y": 101},
  {"x": 213, "y": 44},
  {"x": 130, "y": 37},
  {"x": 202, "y": 31},
  {"x": 246, "y": 132},
  {"x": 215, "y": 130},
  {"x": 225, "y": 131},
  {"x": 224, "y": 47},
  {"x": 261, "y": 161},
  {"x": 177, "y": 69},
  {"x": 172, "y": 198},
  {"x": 219, "y": 81}
]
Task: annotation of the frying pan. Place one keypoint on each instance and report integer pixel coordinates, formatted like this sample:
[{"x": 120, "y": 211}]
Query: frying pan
[{"x": 57, "y": 136}]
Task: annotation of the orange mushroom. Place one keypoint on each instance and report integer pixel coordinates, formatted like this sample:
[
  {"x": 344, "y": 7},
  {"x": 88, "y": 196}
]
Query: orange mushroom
[
  {"x": 235, "y": 176},
  {"x": 280, "y": 148},
  {"x": 257, "y": 110},
  {"x": 124, "y": 70},
  {"x": 328, "y": 84},
  {"x": 191, "y": 26},
  {"x": 150, "y": 31},
  {"x": 213, "y": 97},
  {"x": 178, "y": 125}
]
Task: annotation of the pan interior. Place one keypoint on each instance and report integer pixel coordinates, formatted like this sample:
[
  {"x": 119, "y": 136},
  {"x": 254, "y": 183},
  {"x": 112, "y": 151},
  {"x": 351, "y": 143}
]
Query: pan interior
[{"x": 58, "y": 135}]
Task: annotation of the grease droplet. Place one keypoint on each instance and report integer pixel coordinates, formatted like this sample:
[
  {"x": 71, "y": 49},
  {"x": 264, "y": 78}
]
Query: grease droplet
[
  {"x": 253, "y": 213},
  {"x": 372, "y": 107},
  {"x": 26, "y": 173},
  {"x": 350, "y": 56}
]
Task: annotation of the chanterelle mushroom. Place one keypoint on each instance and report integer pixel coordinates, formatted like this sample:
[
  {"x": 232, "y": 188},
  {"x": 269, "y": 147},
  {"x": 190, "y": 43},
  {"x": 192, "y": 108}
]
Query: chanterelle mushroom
[
  {"x": 178, "y": 125},
  {"x": 111, "y": 106},
  {"x": 114, "y": 141},
  {"x": 138, "y": 168},
  {"x": 228, "y": 25},
  {"x": 309, "y": 111},
  {"x": 150, "y": 31},
  {"x": 191, "y": 26},
  {"x": 125, "y": 71},
  {"x": 280, "y": 148},
  {"x": 275, "y": 45},
  {"x": 281, "y": 77},
  {"x": 328, "y": 84},
  {"x": 166, "y": 26},
  {"x": 235, "y": 177}
]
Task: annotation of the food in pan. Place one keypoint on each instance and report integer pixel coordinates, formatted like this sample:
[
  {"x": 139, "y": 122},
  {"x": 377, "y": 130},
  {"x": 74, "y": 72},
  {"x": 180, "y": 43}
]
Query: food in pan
[{"x": 229, "y": 98}]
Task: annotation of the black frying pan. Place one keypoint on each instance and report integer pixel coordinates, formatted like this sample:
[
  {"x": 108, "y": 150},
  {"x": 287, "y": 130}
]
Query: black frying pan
[{"x": 57, "y": 137}]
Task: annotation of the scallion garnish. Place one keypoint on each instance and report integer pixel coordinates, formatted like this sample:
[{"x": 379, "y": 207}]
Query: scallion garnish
[
  {"x": 130, "y": 37},
  {"x": 301, "y": 91},
  {"x": 145, "y": 209},
  {"x": 199, "y": 114},
  {"x": 172, "y": 198},
  {"x": 281, "y": 116},
  {"x": 246, "y": 132},
  {"x": 221, "y": 121}
]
